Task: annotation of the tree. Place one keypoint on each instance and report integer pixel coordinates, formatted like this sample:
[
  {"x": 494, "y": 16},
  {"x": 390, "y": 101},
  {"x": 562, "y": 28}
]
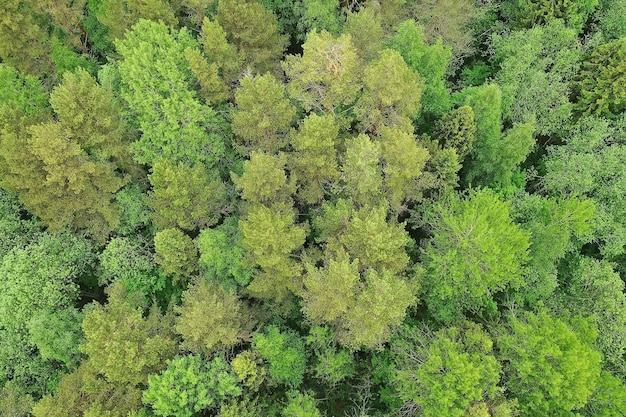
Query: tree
[
  {"x": 476, "y": 250},
  {"x": 263, "y": 115},
  {"x": 557, "y": 227},
  {"x": 39, "y": 279},
  {"x": 333, "y": 363},
  {"x": 130, "y": 261},
  {"x": 254, "y": 31},
  {"x": 320, "y": 15},
  {"x": 447, "y": 372},
  {"x": 120, "y": 15},
  {"x": 189, "y": 385},
  {"x": 285, "y": 353},
  {"x": 248, "y": 366},
  {"x": 326, "y": 77},
  {"x": 157, "y": 84},
  {"x": 19, "y": 32},
  {"x": 176, "y": 253},
  {"x": 211, "y": 318},
  {"x": 366, "y": 32},
  {"x": 222, "y": 258},
  {"x": 592, "y": 288},
  {"x": 537, "y": 67},
  {"x": 361, "y": 172},
  {"x": 449, "y": 21},
  {"x": 391, "y": 92},
  {"x": 122, "y": 344},
  {"x": 186, "y": 197},
  {"x": 457, "y": 129},
  {"x": 600, "y": 83},
  {"x": 66, "y": 171},
  {"x": 264, "y": 180},
  {"x": 84, "y": 392},
  {"x": 359, "y": 290},
  {"x": 314, "y": 160},
  {"x": 529, "y": 13},
  {"x": 495, "y": 155},
  {"x": 403, "y": 164},
  {"x": 300, "y": 405},
  {"x": 429, "y": 61},
  {"x": 552, "y": 367},
  {"x": 57, "y": 334},
  {"x": 271, "y": 237},
  {"x": 589, "y": 164},
  {"x": 219, "y": 52}
]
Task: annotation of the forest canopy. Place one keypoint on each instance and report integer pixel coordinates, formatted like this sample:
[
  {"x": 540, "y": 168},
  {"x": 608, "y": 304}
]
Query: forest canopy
[{"x": 312, "y": 208}]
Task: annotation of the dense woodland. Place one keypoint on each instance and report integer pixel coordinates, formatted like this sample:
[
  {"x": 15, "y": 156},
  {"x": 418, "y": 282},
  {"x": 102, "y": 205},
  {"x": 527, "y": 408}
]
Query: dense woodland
[{"x": 306, "y": 208}]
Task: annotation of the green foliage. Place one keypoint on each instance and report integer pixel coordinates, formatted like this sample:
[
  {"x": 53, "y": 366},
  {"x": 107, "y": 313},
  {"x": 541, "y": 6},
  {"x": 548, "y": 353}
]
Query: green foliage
[
  {"x": 65, "y": 171},
  {"x": 447, "y": 372},
  {"x": 263, "y": 115},
  {"x": 254, "y": 31},
  {"x": 14, "y": 403},
  {"x": 37, "y": 278},
  {"x": 41, "y": 276},
  {"x": 495, "y": 156},
  {"x": 403, "y": 163},
  {"x": 22, "y": 91},
  {"x": 611, "y": 18},
  {"x": 552, "y": 367},
  {"x": 557, "y": 227},
  {"x": 121, "y": 343},
  {"x": 133, "y": 208},
  {"x": 85, "y": 393},
  {"x": 285, "y": 353},
  {"x": 186, "y": 197},
  {"x": 270, "y": 237},
  {"x": 592, "y": 288},
  {"x": 57, "y": 334},
  {"x": 450, "y": 21},
  {"x": 189, "y": 385},
  {"x": 391, "y": 92},
  {"x": 361, "y": 171},
  {"x": 372, "y": 240},
  {"x": 300, "y": 405},
  {"x": 366, "y": 32},
  {"x": 218, "y": 51},
  {"x": 476, "y": 250},
  {"x": 314, "y": 160},
  {"x": 528, "y": 13},
  {"x": 176, "y": 253},
  {"x": 327, "y": 75},
  {"x": 130, "y": 261},
  {"x": 536, "y": 68},
  {"x": 222, "y": 257},
  {"x": 212, "y": 86},
  {"x": 249, "y": 369},
  {"x": 430, "y": 61},
  {"x": 333, "y": 364},
  {"x": 457, "y": 129},
  {"x": 14, "y": 231},
  {"x": 157, "y": 84},
  {"x": 609, "y": 399},
  {"x": 211, "y": 318},
  {"x": 120, "y": 15},
  {"x": 320, "y": 15},
  {"x": 264, "y": 180},
  {"x": 359, "y": 290},
  {"x": 600, "y": 87},
  {"x": 590, "y": 164}
]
